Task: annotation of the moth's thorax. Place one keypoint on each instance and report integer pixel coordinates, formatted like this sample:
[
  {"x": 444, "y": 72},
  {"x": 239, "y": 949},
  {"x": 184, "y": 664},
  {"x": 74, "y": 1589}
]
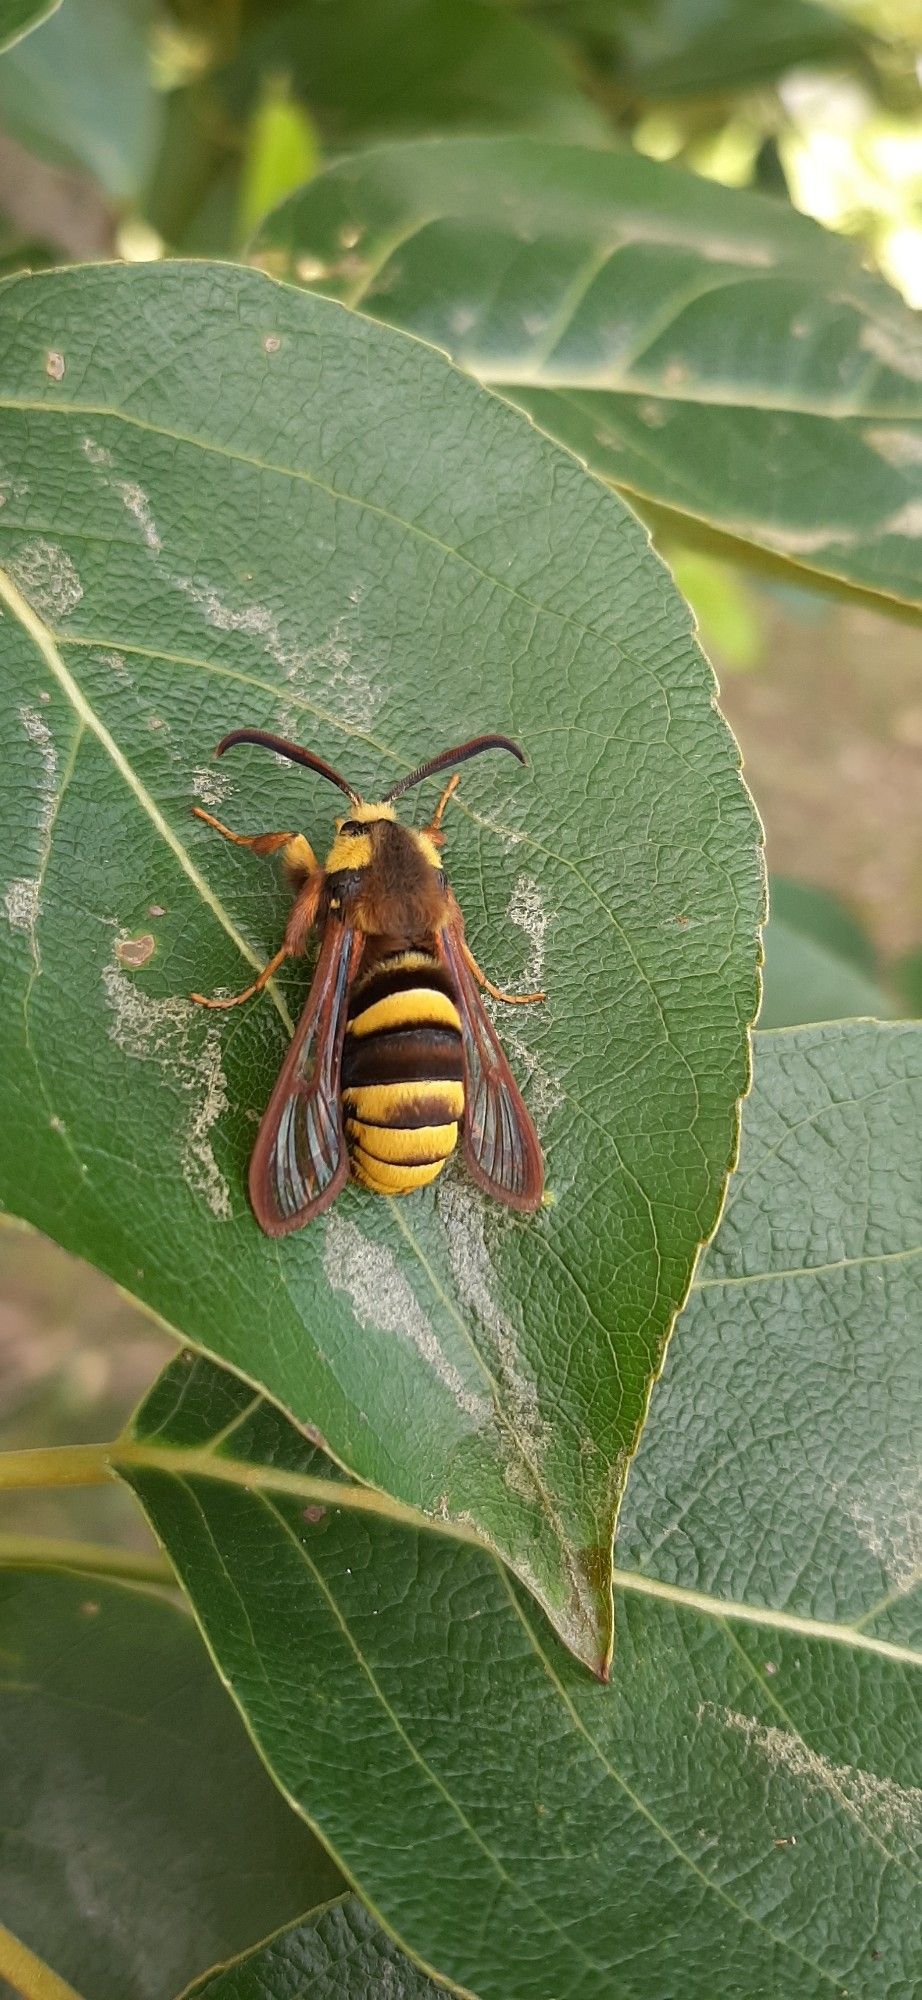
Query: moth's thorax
[{"x": 384, "y": 877}]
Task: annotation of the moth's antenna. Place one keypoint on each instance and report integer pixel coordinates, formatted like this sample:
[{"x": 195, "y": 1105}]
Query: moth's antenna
[
  {"x": 293, "y": 751},
  {"x": 459, "y": 755}
]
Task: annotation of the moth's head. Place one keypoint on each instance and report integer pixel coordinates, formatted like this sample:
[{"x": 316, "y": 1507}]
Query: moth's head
[
  {"x": 371, "y": 833},
  {"x": 357, "y": 836}
]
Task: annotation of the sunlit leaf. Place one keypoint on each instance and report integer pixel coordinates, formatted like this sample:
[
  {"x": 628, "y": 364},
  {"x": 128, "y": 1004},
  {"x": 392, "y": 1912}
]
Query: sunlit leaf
[{"x": 705, "y": 348}]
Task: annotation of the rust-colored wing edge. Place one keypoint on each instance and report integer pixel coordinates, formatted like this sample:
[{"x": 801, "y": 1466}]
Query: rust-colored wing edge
[
  {"x": 324, "y": 1019},
  {"x": 483, "y": 1050}
]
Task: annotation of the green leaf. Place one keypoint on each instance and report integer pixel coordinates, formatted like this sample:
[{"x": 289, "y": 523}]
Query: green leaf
[
  {"x": 819, "y": 966},
  {"x": 289, "y": 517},
  {"x": 376, "y": 68},
  {"x": 336, "y": 1954},
  {"x": 907, "y": 973},
  {"x": 728, "y": 614},
  {"x": 711, "y": 47},
  {"x": 80, "y": 93},
  {"x": 19, "y": 17},
  {"x": 358, "y": 70},
  {"x": 281, "y": 153},
  {"x": 705, "y": 348},
  {"x": 139, "y": 1835},
  {"x": 741, "y": 1806}
]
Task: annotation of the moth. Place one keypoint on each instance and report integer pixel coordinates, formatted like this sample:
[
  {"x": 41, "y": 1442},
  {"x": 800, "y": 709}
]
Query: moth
[{"x": 394, "y": 1058}]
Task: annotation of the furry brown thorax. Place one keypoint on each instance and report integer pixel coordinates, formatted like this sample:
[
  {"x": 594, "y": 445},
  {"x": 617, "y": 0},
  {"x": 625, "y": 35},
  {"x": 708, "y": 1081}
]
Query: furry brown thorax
[{"x": 390, "y": 875}]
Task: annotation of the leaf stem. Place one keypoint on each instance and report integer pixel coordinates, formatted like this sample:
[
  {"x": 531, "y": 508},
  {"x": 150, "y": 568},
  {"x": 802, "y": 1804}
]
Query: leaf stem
[
  {"x": 28, "y": 1974},
  {"x": 57, "y": 1465},
  {"x": 128, "y": 1454},
  {"x": 95, "y": 1558}
]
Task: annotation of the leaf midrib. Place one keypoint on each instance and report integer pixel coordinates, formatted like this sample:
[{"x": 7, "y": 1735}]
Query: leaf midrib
[
  {"x": 42, "y": 639},
  {"x": 132, "y": 1454}
]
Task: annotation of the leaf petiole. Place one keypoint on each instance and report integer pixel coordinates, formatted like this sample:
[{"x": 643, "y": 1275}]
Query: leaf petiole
[
  {"x": 57, "y": 1465},
  {"x": 92, "y": 1558},
  {"x": 28, "y": 1974}
]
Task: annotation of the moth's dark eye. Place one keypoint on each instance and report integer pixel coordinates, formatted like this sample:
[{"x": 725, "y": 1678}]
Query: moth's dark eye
[{"x": 353, "y": 826}]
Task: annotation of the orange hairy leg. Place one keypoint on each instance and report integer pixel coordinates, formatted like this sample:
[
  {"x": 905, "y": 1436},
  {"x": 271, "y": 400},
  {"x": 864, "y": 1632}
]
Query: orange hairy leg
[
  {"x": 301, "y": 860},
  {"x": 298, "y": 853},
  {"x": 511, "y": 999},
  {"x": 434, "y": 829}
]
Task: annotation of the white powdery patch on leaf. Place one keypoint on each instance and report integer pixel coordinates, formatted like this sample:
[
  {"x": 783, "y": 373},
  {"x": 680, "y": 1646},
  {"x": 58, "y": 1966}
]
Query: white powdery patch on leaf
[
  {"x": 132, "y": 496},
  {"x": 887, "y": 1515},
  {"x": 334, "y": 671},
  {"x": 527, "y": 909},
  {"x": 210, "y": 786},
  {"x": 22, "y": 903},
  {"x": 12, "y": 486},
  {"x": 168, "y": 1032},
  {"x": 462, "y": 1210},
  {"x": 48, "y": 578},
  {"x": 382, "y": 1298},
  {"x": 135, "y": 501},
  {"x": 22, "y": 900},
  {"x": 97, "y": 454},
  {"x": 115, "y": 663},
  {"x": 882, "y": 1805}
]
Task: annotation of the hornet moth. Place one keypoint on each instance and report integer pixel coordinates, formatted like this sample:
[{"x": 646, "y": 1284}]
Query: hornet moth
[{"x": 394, "y": 1055}]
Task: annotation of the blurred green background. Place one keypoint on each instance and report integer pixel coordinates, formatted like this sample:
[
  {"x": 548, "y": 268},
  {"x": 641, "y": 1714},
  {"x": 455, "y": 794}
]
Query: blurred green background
[{"x": 135, "y": 130}]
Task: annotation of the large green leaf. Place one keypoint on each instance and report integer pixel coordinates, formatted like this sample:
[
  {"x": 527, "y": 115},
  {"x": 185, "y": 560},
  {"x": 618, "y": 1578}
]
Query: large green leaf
[
  {"x": 739, "y": 1811},
  {"x": 19, "y": 17},
  {"x": 140, "y": 1838},
  {"x": 338, "y": 1953},
  {"x": 231, "y": 503},
  {"x": 705, "y": 348}
]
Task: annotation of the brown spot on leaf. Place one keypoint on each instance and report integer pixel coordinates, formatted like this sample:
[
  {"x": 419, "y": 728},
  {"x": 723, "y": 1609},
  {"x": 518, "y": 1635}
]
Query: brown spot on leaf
[{"x": 134, "y": 952}]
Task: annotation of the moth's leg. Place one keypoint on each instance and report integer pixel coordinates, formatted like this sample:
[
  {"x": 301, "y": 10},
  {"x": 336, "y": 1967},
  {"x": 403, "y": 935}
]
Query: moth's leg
[
  {"x": 512, "y": 999},
  {"x": 201, "y": 999},
  {"x": 298, "y": 853},
  {"x": 303, "y": 915},
  {"x": 434, "y": 829},
  {"x": 297, "y": 931}
]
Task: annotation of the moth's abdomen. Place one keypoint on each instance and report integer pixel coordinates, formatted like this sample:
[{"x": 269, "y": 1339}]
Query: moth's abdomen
[{"x": 402, "y": 1073}]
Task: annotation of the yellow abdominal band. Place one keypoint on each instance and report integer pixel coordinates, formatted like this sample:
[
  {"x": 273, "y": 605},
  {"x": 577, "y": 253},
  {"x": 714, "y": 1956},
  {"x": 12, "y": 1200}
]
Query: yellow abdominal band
[{"x": 403, "y": 1093}]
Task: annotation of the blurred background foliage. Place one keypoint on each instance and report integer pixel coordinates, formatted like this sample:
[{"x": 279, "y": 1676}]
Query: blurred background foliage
[{"x": 144, "y": 128}]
